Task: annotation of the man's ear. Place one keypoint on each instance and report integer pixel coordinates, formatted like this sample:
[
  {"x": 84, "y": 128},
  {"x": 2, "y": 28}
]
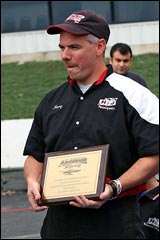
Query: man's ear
[{"x": 101, "y": 44}]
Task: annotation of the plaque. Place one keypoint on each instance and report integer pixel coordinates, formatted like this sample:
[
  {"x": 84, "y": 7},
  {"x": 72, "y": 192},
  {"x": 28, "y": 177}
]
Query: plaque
[{"x": 72, "y": 173}]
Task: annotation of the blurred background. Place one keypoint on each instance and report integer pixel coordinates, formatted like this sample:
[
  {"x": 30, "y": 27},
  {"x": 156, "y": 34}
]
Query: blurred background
[{"x": 24, "y": 24}]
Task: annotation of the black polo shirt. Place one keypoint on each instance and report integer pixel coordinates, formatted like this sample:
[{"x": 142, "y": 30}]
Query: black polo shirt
[{"x": 115, "y": 110}]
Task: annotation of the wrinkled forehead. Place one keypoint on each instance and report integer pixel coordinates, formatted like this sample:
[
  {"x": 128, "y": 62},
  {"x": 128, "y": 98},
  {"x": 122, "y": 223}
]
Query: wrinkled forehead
[{"x": 118, "y": 54}]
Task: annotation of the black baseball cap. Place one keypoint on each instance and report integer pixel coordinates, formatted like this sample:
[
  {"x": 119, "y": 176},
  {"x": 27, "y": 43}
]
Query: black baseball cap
[{"x": 82, "y": 23}]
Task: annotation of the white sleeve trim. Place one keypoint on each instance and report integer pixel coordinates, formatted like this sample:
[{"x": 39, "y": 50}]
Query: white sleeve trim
[{"x": 139, "y": 97}]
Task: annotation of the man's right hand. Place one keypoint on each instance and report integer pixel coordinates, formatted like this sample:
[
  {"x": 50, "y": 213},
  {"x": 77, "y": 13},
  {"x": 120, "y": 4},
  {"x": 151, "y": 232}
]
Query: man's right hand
[
  {"x": 34, "y": 196},
  {"x": 32, "y": 175}
]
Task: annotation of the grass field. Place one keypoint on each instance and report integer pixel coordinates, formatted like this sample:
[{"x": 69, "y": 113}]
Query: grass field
[{"x": 23, "y": 86}]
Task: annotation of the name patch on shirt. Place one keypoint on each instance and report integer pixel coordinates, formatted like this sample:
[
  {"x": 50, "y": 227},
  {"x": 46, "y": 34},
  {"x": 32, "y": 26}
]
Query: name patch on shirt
[{"x": 57, "y": 107}]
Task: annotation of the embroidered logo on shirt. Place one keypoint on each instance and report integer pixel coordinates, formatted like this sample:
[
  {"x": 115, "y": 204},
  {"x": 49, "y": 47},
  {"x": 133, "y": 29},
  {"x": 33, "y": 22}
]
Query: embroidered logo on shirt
[
  {"x": 57, "y": 107},
  {"x": 152, "y": 223},
  {"x": 107, "y": 103}
]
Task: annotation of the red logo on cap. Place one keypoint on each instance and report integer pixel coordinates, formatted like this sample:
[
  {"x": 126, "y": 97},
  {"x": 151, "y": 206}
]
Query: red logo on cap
[{"x": 75, "y": 17}]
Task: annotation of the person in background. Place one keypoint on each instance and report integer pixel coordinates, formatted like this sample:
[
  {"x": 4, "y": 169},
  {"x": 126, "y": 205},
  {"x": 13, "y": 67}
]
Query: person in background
[
  {"x": 121, "y": 60},
  {"x": 95, "y": 106}
]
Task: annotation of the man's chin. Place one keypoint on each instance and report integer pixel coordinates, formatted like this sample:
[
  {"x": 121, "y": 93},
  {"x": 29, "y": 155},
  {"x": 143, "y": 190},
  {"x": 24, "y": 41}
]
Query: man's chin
[
  {"x": 122, "y": 72},
  {"x": 73, "y": 76}
]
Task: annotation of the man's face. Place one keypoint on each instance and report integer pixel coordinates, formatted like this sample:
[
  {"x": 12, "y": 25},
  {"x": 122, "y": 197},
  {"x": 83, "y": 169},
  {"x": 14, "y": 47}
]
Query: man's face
[
  {"x": 78, "y": 56},
  {"x": 121, "y": 63}
]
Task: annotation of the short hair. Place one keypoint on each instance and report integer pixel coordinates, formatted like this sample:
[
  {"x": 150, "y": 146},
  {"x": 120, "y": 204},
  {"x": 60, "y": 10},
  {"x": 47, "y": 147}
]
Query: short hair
[
  {"x": 93, "y": 39},
  {"x": 123, "y": 48}
]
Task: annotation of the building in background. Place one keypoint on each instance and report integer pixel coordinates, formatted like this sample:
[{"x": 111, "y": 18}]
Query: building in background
[
  {"x": 19, "y": 16},
  {"x": 24, "y": 23}
]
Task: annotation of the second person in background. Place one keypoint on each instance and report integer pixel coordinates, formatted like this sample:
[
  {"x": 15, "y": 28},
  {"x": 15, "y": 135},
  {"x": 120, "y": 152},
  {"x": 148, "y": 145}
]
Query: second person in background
[{"x": 121, "y": 60}]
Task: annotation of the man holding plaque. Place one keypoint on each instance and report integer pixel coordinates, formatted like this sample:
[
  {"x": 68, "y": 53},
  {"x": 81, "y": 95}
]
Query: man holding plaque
[{"x": 94, "y": 107}]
